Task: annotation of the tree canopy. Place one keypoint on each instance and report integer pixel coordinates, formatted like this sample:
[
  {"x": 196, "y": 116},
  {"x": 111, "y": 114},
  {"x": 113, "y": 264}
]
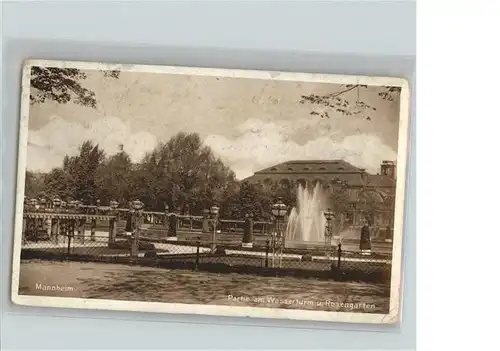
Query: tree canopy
[
  {"x": 182, "y": 173},
  {"x": 63, "y": 85}
]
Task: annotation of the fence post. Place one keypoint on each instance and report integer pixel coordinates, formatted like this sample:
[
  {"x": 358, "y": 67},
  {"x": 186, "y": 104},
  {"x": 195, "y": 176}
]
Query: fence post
[
  {"x": 69, "y": 246},
  {"x": 112, "y": 232},
  {"x": 198, "y": 243},
  {"x": 25, "y": 227},
  {"x": 70, "y": 231},
  {"x": 52, "y": 229},
  {"x": 248, "y": 231},
  {"x": 55, "y": 230},
  {"x": 190, "y": 223},
  {"x": 114, "y": 228},
  {"x": 62, "y": 228},
  {"x": 93, "y": 225},
  {"x": 267, "y": 254},
  {"x": 36, "y": 227},
  {"x": 81, "y": 230},
  {"x": 166, "y": 221},
  {"x": 339, "y": 253},
  {"x": 173, "y": 221}
]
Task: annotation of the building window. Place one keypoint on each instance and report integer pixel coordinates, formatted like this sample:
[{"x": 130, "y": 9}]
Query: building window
[
  {"x": 274, "y": 169},
  {"x": 290, "y": 168},
  {"x": 307, "y": 168},
  {"x": 322, "y": 169}
]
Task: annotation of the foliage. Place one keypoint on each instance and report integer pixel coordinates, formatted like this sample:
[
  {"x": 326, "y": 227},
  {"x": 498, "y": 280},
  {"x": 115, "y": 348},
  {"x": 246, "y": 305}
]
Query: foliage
[
  {"x": 249, "y": 200},
  {"x": 59, "y": 182},
  {"x": 63, "y": 85},
  {"x": 113, "y": 178},
  {"x": 33, "y": 183},
  {"x": 182, "y": 173},
  {"x": 77, "y": 178},
  {"x": 339, "y": 103}
]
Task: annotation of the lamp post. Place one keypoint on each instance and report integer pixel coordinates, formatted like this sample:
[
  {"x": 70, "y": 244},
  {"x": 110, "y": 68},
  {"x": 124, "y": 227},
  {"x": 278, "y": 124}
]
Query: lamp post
[
  {"x": 137, "y": 207},
  {"x": 34, "y": 204},
  {"x": 56, "y": 222},
  {"x": 57, "y": 202},
  {"x": 328, "y": 232},
  {"x": 214, "y": 211},
  {"x": 72, "y": 206},
  {"x": 173, "y": 222},
  {"x": 166, "y": 220},
  {"x": 113, "y": 204},
  {"x": 79, "y": 206},
  {"x": 113, "y": 223},
  {"x": 43, "y": 204},
  {"x": 166, "y": 212},
  {"x": 279, "y": 211}
]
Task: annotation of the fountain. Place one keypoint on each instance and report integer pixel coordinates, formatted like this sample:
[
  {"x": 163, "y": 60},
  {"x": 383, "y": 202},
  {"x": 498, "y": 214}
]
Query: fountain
[{"x": 306, "y": 223}]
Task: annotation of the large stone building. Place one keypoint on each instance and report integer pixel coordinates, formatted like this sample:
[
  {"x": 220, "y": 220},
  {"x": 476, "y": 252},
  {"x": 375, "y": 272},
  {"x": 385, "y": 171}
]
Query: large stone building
[{"x": 351, "y": 191}]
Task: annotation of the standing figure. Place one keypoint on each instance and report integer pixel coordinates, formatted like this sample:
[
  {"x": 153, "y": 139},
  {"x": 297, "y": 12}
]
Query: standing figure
[{"x": 365, "y": 244}]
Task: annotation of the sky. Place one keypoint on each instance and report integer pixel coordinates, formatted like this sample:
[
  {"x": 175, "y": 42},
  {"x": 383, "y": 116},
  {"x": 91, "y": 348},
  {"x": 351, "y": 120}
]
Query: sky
[{"x": 250, "y": 124}]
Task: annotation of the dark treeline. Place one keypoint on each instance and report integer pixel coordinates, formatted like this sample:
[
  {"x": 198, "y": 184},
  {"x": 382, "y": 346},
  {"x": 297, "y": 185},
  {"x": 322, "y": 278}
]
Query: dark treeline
[{"x": 181, "y": 173}]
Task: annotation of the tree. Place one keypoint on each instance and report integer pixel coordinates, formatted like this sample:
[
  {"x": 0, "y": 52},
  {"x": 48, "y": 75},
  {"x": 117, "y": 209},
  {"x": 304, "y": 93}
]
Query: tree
[
  {"x": 33, "y": 183},
  {"x": 183, "y": 173},
  {"x": 338, "y": 102},
  {"x": 114, "y": 178},
  {"x": 229, "y": 205},
  {"x": 77, "y": 178},
  {"x": 249, "y": 201},
  {"x": 63, "y": 85},
  {"x": 59, "y": 183},
  {"x": 88, "y": 162}
]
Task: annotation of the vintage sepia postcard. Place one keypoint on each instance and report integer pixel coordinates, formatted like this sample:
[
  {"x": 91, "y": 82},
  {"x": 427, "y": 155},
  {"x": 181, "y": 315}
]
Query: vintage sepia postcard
[{"x": 211, "y": 191}]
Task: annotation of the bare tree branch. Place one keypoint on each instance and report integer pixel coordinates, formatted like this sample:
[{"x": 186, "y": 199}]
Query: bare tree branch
[{"x": 337, "y": 103}]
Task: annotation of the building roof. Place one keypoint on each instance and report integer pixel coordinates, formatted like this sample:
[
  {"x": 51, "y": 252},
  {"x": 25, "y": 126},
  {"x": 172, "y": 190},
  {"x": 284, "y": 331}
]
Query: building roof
[
  {"x": 315, "y": 166},
  {"x": 321, "y": 170}
]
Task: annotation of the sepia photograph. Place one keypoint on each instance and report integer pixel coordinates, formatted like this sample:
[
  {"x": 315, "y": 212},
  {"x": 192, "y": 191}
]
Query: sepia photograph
[{"x": 211, "y": 191}]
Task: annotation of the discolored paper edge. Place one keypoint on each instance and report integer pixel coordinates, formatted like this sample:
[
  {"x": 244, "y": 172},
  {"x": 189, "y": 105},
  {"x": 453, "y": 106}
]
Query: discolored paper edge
[{"x": 394, "y": 314}]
